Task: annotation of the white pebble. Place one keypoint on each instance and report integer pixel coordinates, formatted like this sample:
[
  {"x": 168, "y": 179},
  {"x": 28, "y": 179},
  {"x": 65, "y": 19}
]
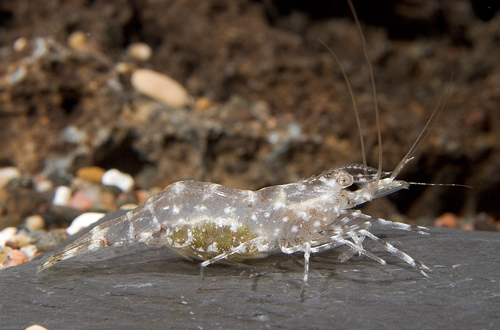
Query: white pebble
[
  {"x": 6, "y": 235},
  {"x": 119, "y": 179},
  {"x": 7, "y": 174},
  {"x": 139, "y": 51},
  {"x": 19, "y": 44},
  {"x": 62, "y": 196},
  {"x": 35, "y": 222},
  {"x": 17, "y": 76},
  {"x": 29, "y": 251},
  {"x": 129, "y": 206},
  {"x": 160, "y": 87},
  {"x": 35, "y": 327},
  {"x": 82, "y": 221},
  {"x": 43, "y": 186}
]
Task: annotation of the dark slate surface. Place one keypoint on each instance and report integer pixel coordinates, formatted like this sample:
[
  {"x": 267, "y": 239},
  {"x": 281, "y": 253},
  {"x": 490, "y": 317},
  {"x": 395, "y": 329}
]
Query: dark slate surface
[{"x": 139, "y": 287}]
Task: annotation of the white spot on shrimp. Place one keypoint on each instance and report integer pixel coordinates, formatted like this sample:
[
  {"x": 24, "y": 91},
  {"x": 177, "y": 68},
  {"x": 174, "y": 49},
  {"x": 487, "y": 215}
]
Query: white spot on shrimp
[
  {"x": 317, "y": 223},
  {"x": 177, "y": 187},
  {"x": 166, "y": 207},
  {"x": 175, "y": 209},
  {"x": 304, "y": 216},
  {"x": 229, "y": 210},
  {"x": 253, "y": 217},
  {"x": 131, "y": 230},
  {"x": 212, "y": 188},
  {"x": 285, "y": 219},
  {"x": 251, "y": 196},
  {"x": 294, "y": 229},
  {"x": 144, "y": 236},
  {"x": 280, "y": 200},
  {"x": 301, "y": 187},
  {"x": 213, "y": 247},
  {"x": 200, "y": 207},
  {"x": 267, "y": 215},
  {"x": 327, "y": 182}
]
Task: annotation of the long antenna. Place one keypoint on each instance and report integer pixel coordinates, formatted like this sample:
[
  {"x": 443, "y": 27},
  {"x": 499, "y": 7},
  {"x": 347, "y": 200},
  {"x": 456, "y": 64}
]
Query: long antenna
[
  {"x": 425, "y": 131},
  {"x": 363, "y": 151},
  {"x": 374, "y": 89}
]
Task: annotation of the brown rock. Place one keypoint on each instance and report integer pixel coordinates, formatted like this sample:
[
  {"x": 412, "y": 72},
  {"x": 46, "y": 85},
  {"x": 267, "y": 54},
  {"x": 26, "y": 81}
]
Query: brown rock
[
  {"x": 51, "y": 239},
  {"x": 78, "y": 40},
  {"x": 448, "y": 220},
  {"x": 14, "y": 258},
  {"x": 91, "y": 173}
]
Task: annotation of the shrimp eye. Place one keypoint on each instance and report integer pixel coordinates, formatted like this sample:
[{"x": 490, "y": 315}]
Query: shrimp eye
[{"x": 344, "y": 180}]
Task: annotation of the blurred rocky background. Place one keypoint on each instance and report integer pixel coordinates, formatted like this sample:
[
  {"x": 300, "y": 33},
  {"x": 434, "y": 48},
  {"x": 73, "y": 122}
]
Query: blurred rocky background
[{"x": 242, "y": 93}]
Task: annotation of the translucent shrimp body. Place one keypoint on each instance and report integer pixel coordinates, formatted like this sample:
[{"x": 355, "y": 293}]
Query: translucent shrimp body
[{"x": 211, "y": 222}]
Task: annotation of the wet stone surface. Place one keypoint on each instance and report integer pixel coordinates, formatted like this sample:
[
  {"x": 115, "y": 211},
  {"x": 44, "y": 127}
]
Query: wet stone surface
[{"x": 142, "y": 287}]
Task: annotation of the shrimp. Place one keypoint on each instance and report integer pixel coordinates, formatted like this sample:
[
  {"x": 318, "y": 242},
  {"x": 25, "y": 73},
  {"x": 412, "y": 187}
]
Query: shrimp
[{"x": 214, "y": 223}]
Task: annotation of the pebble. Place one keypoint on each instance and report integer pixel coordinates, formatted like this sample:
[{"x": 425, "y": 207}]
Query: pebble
[
  {"x": 203, "y": 104},
  {"x": 160, "y": 87},
  {"x": 6, "y": 235},
  {"x": 78, "y": 40},
  {"x": 30, "y": 251},
  {"x": 35, "y": 327},
  {"x": 62, "y": 196},
  {"x": 17, "y": 76},
  {"x": 108, "y": 200},
  {"x": 125, "y": 198},
  {"x": 14, "y": 258},
  {"x": 34, "y": 222},
  {"x": 118, "y": 179},
  {"x": 3, "y": 255},
  {"x": 19, "y": 240},
  {"x": 83, "y": 221},
  {"x": 447, "y": 220},
  {"x": 43, "y": 185},
  {"x": 19, "y": 44},
  {"x": 124, "y": 68},
  {"x": 92, "y": 173},
  {"x": 477, "y": 118},
  {"x": 140, "y": 51},
  {"x": 129, "y": 206},
  {"x": 80, "y": 201},
  {"x": 7, "y": 174},
  {"x": 51, "y": 239}
]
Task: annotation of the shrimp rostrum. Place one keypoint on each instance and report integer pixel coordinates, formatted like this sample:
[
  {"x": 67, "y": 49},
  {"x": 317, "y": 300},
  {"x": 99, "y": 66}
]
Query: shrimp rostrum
[{"x": 213, "y": 223}]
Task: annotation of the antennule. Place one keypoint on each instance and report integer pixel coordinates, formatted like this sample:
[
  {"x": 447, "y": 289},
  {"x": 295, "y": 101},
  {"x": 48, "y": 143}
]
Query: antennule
[
  {"x": 425, "y": 131},
  {"x": 374, "y": 89},
  {"x": 358, "y": 121}
]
